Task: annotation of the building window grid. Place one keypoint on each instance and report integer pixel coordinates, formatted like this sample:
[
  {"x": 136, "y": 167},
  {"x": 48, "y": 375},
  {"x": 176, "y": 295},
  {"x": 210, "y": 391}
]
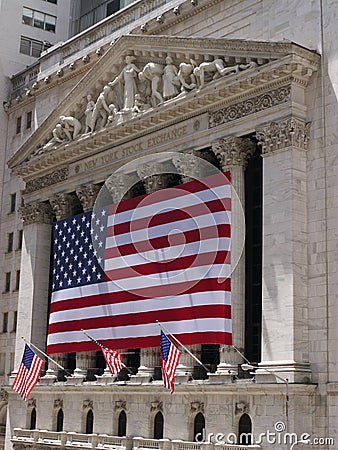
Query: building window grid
[
  {"x": 32, "y": 47},
  {"x": 51, "y": 1},
  {"x": 7, "y": 281},
  {"x": 17, "y": 280},
  {"x": 29, "y": 116},
  {"x": 18, "y": 125},
  {"x": 20, "y": 237},
  {"x": 38, "y": 19},
  {"x": 10, "y": 238},
  {"x": 15, "y": 320},
  {"x": 5, "y": 322},
  {"x": 13, "y": 203}
]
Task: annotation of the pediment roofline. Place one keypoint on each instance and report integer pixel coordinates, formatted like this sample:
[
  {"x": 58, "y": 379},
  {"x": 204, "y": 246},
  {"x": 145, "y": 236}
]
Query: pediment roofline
[{"x": 156, "y": 48}]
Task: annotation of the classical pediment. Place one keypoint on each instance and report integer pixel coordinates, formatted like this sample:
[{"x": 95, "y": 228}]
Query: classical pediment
[{"x": 144, "y": 83}]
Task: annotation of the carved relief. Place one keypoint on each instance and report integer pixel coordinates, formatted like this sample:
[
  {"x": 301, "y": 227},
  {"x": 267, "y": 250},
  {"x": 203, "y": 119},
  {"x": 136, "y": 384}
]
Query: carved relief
[
  {"x": 233, "y": 151},
  {"x": 31, "y": 403},
  {"x": 58, "y": 403},
  {"x": 250, "y": 106},
  {"x": 47, "y": 180},
  {"x": 156, "y": 406},
  {"x": 120, "y": 404},
  {"x": 242, "y": 407},
  {"x": 87, "y": 195},
  {"x": 290, "y": 132},
  {"x": 62, "y": 205},
  {"x": 36, "y": 213},
  {"x": 157, "y": 176},
  {"x": 196, "y": 407},
  {"x": 3, "y": 395},
  {"x": 87, "y": 404}
]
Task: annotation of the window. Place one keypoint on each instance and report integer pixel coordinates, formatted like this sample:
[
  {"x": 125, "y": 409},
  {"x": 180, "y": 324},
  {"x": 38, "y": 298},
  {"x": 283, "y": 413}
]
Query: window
[
  {"x": 18, "y": 125},
  {"x": 15, "y": 319},
  {"x": 245, "y": 430},
  {"x": 59, "y": 421},
  {"x": 38, "y": 19},
  {"x": 158, "y": 426},
  {"x": 33, "y": 419},
  {"x": 52, "y": 1},
  {"x": 5, "y": 322},
  {"x": 7, "y": 281},
  {"x": 20, "y": 235},
  {"x": 32, "y": 47},
  {"x": 122, "y": 425},
  {"x": 112, "y": 7},
  {"x": 10, "y": 242},
  {"x": 13, "y": 203},
  {"x": 199, "y": 426},
  {"x": 29, "y": 120},
  {"x": 17, "y": 280},
  {"x": 89, "y": 422}
]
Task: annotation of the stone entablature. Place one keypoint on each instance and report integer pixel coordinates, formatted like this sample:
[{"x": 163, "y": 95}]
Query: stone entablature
[{"x": 284, "y": 67}]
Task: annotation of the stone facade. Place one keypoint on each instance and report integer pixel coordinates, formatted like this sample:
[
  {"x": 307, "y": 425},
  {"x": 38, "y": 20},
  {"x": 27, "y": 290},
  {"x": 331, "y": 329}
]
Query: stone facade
[{"x": 278, "y": 98}]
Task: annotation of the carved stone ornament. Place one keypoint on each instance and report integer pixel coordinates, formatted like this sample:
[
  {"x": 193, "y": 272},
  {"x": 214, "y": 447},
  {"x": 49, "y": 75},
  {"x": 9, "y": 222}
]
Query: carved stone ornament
[
  {"x": 3, "y": 395},
  {"x": 47, "y": 180},
  {"x": 242, "y": 407},
  {"x": 156, "y": 406},
  {"x": 87, "y": 404},
  {"x": 62, "y": 205},
  {"x": 156, "y": 176},
  {"x": 31, "y": 403},
  {"x": 187, "y": 164},
  {"x": 233, "y": 151},
  {"x": 290, "y": 132},
  {"x": 87, "y": 195},
  {"x": 36, "y": 213},
  {"x": 196, "y": 407},
  {"x": 119, "y": 185},
  {"x": 120, "y": 404},
  {"x": 58, "y": 403},
  {"x": 250, "y": 106}
]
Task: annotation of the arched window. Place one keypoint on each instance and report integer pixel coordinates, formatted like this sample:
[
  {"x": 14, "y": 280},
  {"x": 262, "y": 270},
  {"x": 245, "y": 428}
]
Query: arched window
[
  {"x": 245, "y": 430},
  {"x": 122, "y": 424},
  {"x": 158, "y": 426},
  {"x": 199, "y": 426},
  {"x": 89, "y": 422},
  {"x": 33, "y": 419},
  {"x": 59, "y": 420}
]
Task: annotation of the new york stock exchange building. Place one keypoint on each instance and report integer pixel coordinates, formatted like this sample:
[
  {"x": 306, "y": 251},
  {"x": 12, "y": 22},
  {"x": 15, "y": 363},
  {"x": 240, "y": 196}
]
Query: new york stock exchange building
[{"x": 152, "y": 119}]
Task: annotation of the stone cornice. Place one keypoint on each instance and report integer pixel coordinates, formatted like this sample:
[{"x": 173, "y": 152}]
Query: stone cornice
[
  {"x": 290, "y": 132},
  {"x": 289, "y": 65}
]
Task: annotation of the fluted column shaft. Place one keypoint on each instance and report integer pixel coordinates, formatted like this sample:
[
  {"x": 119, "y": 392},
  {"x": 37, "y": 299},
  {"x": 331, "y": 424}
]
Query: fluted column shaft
[{"x": 233, "y": 154}]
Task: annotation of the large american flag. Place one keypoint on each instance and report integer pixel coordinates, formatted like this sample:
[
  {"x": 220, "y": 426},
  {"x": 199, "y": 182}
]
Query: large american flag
[
  {"x": 28, "y": 373},
  {"x": 170, "y": 357},
  {"x": 162, "y": 256}
]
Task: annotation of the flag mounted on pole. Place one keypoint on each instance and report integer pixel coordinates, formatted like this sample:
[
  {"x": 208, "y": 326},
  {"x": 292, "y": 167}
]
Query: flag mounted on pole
[
  {"x": 170, "y": 356},
  {"x": 113, "y": 358},
  {"x": 28, "y": 373}
]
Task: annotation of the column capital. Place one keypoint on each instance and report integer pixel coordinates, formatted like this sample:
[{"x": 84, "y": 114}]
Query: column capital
[
  {"x": 233, "y": 151},
  {"x": 63, "y": 205},
  {"x": 120, "y": 185},
  {"x": 37, "y": 212},
  {"x": 290, "y": 132},
  {"x": 87, "y": 195},
  {"x": 156, "y": 176},
  {"x": 187, "y": 166}
]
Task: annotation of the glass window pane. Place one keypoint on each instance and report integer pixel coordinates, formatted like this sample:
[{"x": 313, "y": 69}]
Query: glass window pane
[
  {"x": 27, "y": 16},
  {"x": 25, "y": 46},
  {"x": 50, "y": 23},
  {"x": 36, "y": 48},
  {"x": 39, "y": 19}
]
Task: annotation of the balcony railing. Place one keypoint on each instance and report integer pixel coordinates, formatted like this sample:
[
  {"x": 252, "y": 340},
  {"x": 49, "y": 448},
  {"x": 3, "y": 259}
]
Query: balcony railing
[{"x": 63, "y": 439}]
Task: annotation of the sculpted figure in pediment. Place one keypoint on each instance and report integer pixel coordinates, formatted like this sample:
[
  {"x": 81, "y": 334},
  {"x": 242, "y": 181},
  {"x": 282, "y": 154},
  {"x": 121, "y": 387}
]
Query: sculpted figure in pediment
[
  {"x": 101, "y": 109},
  {"x": 185, "y": 76},
  {"x": 169, "y": 75},
  {"x": 153, "y": 72},
  {"x": 215, "y": 68},
  {"x": 71, "y": 127},
  {"x": 127, "y": 78},
  {"x": 89, "y": 113}
]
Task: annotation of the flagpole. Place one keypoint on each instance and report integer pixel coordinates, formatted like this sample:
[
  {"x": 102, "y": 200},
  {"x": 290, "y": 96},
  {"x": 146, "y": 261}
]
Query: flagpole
[
  {"x": 44, "y": 354},
  {"x": 245, "y": 359},
  {"x": 103, "y": 346},
  {"x": 180, "y": 343}
]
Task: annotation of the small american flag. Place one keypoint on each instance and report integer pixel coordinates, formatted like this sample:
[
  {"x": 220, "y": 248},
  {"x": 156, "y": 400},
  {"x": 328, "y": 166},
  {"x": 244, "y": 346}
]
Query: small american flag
[
  {"x": 170, "y": 356},
  {"x": 28, "y": 374},
  {"x": 113, "y": 360}
]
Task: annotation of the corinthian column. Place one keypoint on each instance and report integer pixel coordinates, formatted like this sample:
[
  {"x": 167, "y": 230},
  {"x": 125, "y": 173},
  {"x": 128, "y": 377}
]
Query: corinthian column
[
  {"x": 87, "y": 195},
  {"x": 233, "y": 154},
  {"x": 285, "y": 341},
  {"x": 34, "y": 276}
]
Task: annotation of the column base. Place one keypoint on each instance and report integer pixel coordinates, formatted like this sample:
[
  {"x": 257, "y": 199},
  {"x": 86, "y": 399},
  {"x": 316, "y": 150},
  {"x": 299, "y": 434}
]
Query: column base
[
  {"x": 291, "y": 370},
  {"x": 183, "y": 373},
  {"x": 144, "y": 375},
  {"x": 78, "y": 376},
  {"x": 49, "y": 378},
  {"x": 107, "y": 377},
  {"x": 224, "y": 374}
]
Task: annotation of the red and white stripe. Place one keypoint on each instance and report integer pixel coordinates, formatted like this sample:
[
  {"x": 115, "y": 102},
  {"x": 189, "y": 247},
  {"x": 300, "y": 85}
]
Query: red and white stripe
[
  {"x": 169, "y": 368},
  {"x": 167, "y": 258},
  {"x": 26, "y": 379},
  {"x": 113, "y": 360}
]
